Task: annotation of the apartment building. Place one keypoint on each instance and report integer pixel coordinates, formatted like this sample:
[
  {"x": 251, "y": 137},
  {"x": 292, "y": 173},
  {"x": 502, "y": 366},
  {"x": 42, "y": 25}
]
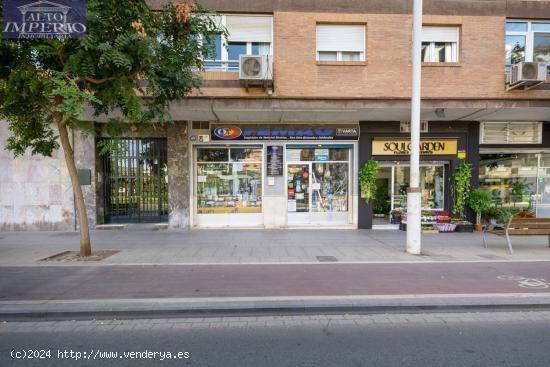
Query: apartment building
[{"x": 298, "y": 97}]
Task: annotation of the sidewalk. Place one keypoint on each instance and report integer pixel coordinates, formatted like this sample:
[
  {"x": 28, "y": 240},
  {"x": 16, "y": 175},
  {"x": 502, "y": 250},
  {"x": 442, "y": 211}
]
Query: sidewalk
[
  {"x": 267, "y": 271},
  {"x": 264, "y": 246}
]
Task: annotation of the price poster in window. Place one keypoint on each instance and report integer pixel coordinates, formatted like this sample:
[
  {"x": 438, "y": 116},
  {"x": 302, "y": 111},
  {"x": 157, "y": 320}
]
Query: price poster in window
[{"x": 274, "y": 160}]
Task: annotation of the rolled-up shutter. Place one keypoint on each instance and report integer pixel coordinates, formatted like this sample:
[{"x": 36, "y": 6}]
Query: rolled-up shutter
[
  {"x": 340, "y": 37},
  {"x": 248, "y": 28},
  {"x": 439, "y": 34}
]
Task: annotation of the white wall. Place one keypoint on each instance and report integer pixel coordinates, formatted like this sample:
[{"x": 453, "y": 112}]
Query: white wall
[{"x": 35, "y": 191}]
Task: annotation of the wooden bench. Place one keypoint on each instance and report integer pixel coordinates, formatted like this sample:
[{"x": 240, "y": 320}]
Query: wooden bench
[{"x": 526, "y": 227}]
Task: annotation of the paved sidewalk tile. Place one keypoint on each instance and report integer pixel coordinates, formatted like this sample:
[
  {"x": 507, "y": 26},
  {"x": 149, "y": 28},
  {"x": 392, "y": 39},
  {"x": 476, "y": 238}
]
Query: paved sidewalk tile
[{"x": 265, "y": 246}]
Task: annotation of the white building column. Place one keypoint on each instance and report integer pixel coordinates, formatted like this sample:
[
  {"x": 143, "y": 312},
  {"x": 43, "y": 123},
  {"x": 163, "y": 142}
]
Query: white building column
[{"x": 414, "y": 229}]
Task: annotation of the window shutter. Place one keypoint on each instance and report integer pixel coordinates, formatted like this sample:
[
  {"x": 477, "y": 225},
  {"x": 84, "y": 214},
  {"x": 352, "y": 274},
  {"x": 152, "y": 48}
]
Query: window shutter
[
  {"x": 248, "y": 28},
  {"x": 511, "y": 133},
  {"x": 439, "y": 34},
  {"x": 340, "y": 37},
  {"x": 524, "y": 133}
]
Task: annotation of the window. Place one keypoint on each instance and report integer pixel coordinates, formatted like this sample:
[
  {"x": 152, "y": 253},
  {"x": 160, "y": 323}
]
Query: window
[
  {"x": 405, "y": 126},
  {"x": 527, "y": 41},
  {"x": 439, "y": 44},
  {"x": 229, "y": 180},
  {"x": 511, "y": 133},
  {"x": 340, "y": 42},
  {"x": 248, "y": 35}
]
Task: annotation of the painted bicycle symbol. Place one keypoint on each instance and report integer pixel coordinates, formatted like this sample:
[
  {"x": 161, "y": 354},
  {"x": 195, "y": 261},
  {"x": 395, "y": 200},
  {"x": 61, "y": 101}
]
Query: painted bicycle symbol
[{"x": 538, "y": 283}]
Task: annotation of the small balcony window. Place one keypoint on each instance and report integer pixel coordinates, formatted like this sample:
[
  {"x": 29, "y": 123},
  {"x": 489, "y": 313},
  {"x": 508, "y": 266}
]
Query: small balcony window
[{"x": 248, "y": 35}]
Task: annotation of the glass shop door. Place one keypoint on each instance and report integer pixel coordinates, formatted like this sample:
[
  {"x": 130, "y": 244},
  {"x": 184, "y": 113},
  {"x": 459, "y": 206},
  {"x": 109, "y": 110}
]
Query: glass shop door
[{"x": 318, "y": 182}]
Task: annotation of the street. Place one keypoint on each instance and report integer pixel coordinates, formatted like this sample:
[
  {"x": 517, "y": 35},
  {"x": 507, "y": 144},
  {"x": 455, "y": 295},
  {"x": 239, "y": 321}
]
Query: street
[{"x": 430, "y": 339}]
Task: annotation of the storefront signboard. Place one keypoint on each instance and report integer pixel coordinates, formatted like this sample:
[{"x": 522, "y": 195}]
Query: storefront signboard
[
  {"x": 403, "y": 147},
  {"x": 57, "y": 19},
  {"x": 275, "y": 160},
  {"x": 284, "y": 132}
]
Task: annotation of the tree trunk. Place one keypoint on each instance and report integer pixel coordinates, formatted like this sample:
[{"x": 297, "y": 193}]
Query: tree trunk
[{"x": 85, "y": 244}]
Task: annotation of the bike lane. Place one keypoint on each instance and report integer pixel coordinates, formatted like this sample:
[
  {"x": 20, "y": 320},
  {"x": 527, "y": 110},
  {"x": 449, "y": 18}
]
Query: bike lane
[{"x": 187, "y": 281}]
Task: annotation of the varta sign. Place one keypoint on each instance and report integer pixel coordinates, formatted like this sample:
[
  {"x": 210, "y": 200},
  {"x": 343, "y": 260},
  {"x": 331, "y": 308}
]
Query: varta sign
[{"x": 44, "y": 19}]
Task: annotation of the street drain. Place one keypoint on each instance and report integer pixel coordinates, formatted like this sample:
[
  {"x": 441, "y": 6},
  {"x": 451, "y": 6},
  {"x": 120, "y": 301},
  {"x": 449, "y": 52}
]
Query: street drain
[{"x": 326, "y": 258}]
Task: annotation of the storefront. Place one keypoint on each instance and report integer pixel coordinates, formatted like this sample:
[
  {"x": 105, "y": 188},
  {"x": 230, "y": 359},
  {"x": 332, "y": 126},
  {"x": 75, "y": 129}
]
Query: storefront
[
  {"x": 515, "y": 165},
  {"x": 517, "y": 179},
  {"x": 274, "y": 176},
  {"x": 443, "y": 146}
]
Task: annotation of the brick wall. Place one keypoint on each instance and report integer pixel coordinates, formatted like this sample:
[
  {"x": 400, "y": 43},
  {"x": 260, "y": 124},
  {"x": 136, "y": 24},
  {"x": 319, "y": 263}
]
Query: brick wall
[{"x": 386, "y": 70}]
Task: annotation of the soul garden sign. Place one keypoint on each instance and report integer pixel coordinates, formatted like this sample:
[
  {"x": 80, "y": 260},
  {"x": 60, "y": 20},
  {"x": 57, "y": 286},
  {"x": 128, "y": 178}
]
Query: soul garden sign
[{"x": 58, "y": 19}]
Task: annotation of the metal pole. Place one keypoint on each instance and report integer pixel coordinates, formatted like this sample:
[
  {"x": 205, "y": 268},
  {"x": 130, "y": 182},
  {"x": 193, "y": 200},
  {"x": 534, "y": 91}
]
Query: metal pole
[{"x": 413, "y": 194}]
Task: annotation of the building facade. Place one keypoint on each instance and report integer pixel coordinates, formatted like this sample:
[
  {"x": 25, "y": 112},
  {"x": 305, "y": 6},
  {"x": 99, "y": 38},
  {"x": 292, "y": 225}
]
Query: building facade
[{"x": 285, "y": 151}]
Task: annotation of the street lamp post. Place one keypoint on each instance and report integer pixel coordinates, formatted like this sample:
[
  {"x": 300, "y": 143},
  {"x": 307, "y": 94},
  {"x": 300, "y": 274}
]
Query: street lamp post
[{"x": 413, "y": 194}]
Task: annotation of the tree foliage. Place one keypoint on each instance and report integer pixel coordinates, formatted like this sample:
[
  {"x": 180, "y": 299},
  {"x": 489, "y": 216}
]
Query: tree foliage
[{"x": 133, "y": 60}]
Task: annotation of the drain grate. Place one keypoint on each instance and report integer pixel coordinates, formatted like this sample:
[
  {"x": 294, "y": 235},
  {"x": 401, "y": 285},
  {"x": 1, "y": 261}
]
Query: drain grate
[{"x": 326, "y": 258}]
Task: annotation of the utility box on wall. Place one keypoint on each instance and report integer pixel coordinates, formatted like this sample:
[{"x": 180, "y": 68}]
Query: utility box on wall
[{"x": 85, "y": 177}]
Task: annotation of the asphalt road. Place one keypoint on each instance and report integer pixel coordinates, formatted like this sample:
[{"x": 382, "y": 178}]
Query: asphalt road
[
  {"x": 462, "y": 339},
  {"x": 173, "y": 281}
]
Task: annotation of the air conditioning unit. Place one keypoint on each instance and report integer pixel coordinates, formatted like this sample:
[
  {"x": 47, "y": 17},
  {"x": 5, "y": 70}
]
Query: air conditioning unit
[
  {"x": 527, "y": 75},
  {"x": 256, "y": 69}
]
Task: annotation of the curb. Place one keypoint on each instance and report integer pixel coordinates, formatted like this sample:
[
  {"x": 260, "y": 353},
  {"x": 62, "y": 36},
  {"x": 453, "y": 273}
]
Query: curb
[{"x": 263, "y": 306}]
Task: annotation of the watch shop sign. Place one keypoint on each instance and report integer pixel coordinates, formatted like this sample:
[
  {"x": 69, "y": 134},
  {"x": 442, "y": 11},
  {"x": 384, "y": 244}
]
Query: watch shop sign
[{"x": 57, "y": 19}]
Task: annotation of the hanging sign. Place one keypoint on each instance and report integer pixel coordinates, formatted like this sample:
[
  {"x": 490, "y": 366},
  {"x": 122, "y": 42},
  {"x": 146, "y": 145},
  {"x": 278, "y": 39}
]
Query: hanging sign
[
  {"x": 284, "y": 132},
  {"x": 403, "y": 147},
  {"x": 58, "y": 19}
]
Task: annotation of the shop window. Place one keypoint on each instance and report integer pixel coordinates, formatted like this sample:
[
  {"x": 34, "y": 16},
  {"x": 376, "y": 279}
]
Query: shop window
[
  {"x": 510, "y": 177},
  {"x": 337, "y": 42},
  {"x": 318, "y": 179},
  {"x": 511, "y": 133},
  {"x": 527, "y": 41},
  {"x": 440, "y": 44},
  {"x": 248, "y": 35},
  {"x": 229, "y": 180}
]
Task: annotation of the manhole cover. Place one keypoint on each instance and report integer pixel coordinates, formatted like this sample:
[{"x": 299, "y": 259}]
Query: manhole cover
[
  {"x": 326, "y": 258},
  {"x": 491, "y": 257}
]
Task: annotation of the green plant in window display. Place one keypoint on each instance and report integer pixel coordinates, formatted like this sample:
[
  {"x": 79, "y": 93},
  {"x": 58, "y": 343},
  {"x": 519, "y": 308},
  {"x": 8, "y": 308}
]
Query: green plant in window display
[
  {"x": 460, "y": 188},
  {"x": 367, "y": 179},
  {"x": 518, "y": 188}
]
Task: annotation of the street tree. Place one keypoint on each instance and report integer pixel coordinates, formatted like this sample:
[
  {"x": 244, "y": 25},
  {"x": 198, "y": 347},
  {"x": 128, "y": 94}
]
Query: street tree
[{"x": 132, "y": 63}]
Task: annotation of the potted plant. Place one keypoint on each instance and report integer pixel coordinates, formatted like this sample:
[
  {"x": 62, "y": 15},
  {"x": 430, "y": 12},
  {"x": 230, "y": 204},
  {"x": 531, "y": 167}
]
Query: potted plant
[
  {"x": 460, "y": 190},
  {"x": 396, "y": 216},
  {"x": 491, "y": 215},
  {"x": 367, "y": 179},
  {"x": 505, "y": 214},
  {"x": 479, "y": 200}
]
